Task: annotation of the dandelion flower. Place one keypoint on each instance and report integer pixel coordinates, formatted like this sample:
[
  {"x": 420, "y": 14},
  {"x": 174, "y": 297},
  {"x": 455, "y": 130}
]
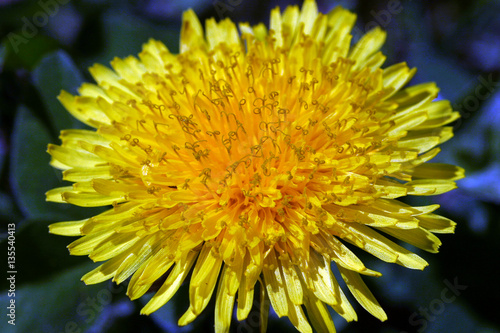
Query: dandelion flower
[{"x": 262, "y": 155}]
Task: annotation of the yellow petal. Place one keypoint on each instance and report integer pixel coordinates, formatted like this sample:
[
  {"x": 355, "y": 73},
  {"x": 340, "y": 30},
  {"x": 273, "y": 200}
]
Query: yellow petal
[
  {"x": 74, "y": 158},
  {"x": 138, "y": 254},
  {"x": 343, "y": 307},
  {"x": 157, "y": 265},
  {"x": 116, "y": 244},
  {"x": 440, "y": 113},
  {"x": 91, "y": 199},
  {"x": 298, "y": 319},
  {"x": 397, "y": 76},
  {"x": 322, "y": 279},
  {"x": 362, "y": 294},
  {"x": 82, "y": 109},
  {"x": 87, "y": 174},
  {"x": 129, "y": 68},
  {"x": 420, "y": 238},
  {"x": 94, "y": 91},
  {"x": 56, "y": 194},
  {"x": 275, "y": 25},
  {"x": 420, "y": 142},
  {"x": 86, "y": 244},
  {"x": 290, "y": 19},
  {"x": 417, "y": 97},
  {"x": 338, "y": 38},
  {"x": 292, "y": 282},
  {"x": 341, "y": 254},
  {"x": 222, "y": 32},
  {"x": 381, "y": 247},
  {"x": 171, "y": 284},
  {"x": 224, "y": 303},
  {"x": 407, "y": 122},
  {"x": 191, "y": 32},
  {"x": 275, "y": 285},
  {"x": 319, "y": 315},
  {"x": 202, "y": 283},
  {"x": 245, "y": 293},
  {"x": 103, "y": 74},
  {"x": 430, "y": 186},
  {"x": 436, "y": 223},
  {"x": 369, "y": 44},
  {"x": 105, "y": 271},
  {"x": 70, "y": 228},
  {"x": 438, "y": 171},
  {"x": 134, "y": 288},
  {"x": 308, "y": 15},
  {"x": 74, "y": 137}
]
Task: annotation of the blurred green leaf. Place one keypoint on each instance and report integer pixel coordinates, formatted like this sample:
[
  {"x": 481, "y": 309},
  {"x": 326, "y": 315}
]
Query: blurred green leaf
[
  {"x": 31, "y": 174},
  {"x": 124, "y": 34},
  {"x": 3, "y": 151},
  {"x": 60, "y": 303},
  {"x": 52, "y": 277},
  {"x": 25, "y": 51},
  {"x": 8, "y": 210},
  {"x": 40, "y": 254},
  {"x": 56, "y": 72},
  {"x": 3, "y": 52}
]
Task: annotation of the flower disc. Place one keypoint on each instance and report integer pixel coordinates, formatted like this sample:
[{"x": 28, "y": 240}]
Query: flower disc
[{"x": 255, "y": 157}]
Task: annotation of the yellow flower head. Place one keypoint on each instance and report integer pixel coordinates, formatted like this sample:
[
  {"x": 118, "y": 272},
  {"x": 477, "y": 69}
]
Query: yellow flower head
[{"x": 259, "y": 157}]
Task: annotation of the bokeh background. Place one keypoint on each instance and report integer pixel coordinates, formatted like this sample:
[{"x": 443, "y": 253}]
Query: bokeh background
[{"x": 47, "y": 45}]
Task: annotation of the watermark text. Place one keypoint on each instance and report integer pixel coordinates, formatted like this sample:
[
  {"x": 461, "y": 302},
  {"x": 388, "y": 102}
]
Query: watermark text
[{"x": 11, "y": 273}]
